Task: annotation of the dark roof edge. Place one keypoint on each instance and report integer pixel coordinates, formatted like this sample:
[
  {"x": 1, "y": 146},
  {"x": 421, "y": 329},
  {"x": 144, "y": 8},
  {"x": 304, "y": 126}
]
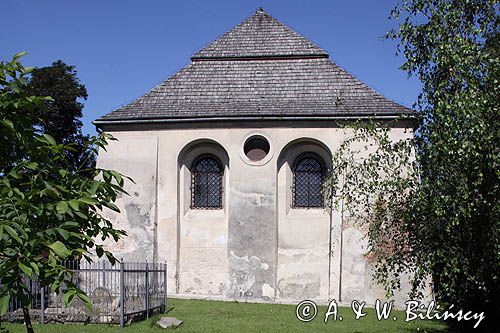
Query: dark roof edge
[
  {"x": 263, "y": 57},
  {"x": 390, "y": 116}
]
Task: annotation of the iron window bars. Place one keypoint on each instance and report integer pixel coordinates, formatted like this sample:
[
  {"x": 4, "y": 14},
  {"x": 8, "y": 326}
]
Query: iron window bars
[
  {"x": 206, "y": 183},
  {"x": 308, "y": 176}
]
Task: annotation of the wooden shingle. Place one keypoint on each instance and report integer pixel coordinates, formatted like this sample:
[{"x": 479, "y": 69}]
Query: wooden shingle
[{"x": 261, "y": 69}]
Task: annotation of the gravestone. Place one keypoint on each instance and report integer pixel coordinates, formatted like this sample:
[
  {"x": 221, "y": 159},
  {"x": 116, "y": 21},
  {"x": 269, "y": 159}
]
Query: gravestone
[
  {"x": 101, "y": 295},
  {"x": 166, "y": 322}
]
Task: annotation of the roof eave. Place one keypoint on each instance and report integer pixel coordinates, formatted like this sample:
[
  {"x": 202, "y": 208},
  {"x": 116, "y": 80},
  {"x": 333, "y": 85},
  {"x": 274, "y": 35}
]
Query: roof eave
[{"x": 389, "y": 116}]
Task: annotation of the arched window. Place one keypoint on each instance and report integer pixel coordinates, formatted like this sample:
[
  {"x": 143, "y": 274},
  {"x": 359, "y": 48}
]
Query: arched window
[
  {"x": 206, "y": 183},
  {"x": 308, "y": 175}
]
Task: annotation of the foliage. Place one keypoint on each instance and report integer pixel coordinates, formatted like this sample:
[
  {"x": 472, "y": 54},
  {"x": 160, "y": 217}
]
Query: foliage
[
  {"x": 445, "y": 209},
  {"x": 60, "y": 116},
  {"x": 48, "y": 211},
  {"x": 373, "y": 181}
]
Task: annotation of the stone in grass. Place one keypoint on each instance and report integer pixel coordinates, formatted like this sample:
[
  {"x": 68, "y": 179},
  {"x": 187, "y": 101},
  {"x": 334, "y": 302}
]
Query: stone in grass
[{"x": 166, "y": 322}]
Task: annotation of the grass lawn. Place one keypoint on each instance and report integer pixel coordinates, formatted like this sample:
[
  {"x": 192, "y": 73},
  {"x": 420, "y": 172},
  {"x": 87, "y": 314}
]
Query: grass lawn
[{"x": 212, "y": 316}]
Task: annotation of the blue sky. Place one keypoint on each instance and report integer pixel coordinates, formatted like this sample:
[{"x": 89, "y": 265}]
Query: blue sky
[{"x": 121, "y": 49}]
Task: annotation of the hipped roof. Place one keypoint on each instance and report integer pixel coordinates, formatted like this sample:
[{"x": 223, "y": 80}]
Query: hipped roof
[{"x": 259, "y": 69}]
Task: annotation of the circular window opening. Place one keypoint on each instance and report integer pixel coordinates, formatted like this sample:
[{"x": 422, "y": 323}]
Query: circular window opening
[{"x": 256, "y": 148}]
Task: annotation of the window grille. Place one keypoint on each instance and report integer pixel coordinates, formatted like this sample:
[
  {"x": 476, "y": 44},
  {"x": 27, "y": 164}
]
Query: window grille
[
  {"x": 308, "y": 176},
  {"x": 206, "y": 183}
]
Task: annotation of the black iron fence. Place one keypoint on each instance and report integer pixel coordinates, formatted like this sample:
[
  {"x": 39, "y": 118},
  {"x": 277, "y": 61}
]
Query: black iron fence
[{"x": 120, "y": 294}]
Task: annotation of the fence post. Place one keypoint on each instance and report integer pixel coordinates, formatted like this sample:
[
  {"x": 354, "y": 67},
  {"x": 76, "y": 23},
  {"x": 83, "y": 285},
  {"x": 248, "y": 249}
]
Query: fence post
[
  {"x": 103, "y": 269},
  {"x": 165, "y": 286},
  {"x": 147, "y": 290},
  {"x": 42, "y": 304},
  {"x": 122, "y": 296}
]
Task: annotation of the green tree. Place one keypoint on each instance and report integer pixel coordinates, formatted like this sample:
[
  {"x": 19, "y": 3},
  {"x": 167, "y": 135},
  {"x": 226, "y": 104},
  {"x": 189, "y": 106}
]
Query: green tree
[
  {"x": 61, "y": 116},
  {"x": 49, "y": 211},
  {"x": 441, "y": 216}
]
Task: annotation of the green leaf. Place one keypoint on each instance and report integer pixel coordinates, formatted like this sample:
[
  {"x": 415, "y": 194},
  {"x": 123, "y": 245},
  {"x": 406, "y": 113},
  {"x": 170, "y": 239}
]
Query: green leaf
[
  {"x": 4, "y": 304},
  {"x": 113, "y": 207},
  {"x": 117, "y": 177},
  {"x": 55, "y": 286},
  {"x": 26, "y": 270},
  {"x": 49, "y": 139},
  {"x": 63, "y": 172},
  {"x": 99, "y": 251},
  {"x": 7, "y": 123},
  {"x": 81, "y": 215},
  {"x": 85, "y": 299},
  {"x": 68, "y": 296},
  {"x": 74, "y": 205},
  {"x": 62, "y": 207},
  {"x": 28, "y": 70},
  {"x": 70, "y": 224},
  {"x": 110, "y": 257},
  {"x": 50, "y": 188},
  {"x": 13, "y": 234},
  {"x": 59, "y": 249},
  {"x": 32, "y": 166},
  {"x": 14, "y": 174},
  {"x": 94, "y": 186},
  {"x": 35, "y": 268},
  {"x": 18, "y": 192},
  {"x": 63, "y": 233},
  {"x": 87, "y": 200},
  {"x": 19, "y": 55}
]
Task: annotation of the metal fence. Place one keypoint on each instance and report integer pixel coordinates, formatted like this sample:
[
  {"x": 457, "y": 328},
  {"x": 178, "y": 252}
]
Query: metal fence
[{"x": 120, "y": 294}]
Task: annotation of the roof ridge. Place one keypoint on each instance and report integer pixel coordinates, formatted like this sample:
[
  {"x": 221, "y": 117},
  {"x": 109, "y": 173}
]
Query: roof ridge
[{"x": 260, "y": 36}]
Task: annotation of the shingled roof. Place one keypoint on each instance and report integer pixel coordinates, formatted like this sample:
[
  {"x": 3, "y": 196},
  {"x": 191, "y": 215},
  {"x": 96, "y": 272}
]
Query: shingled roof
[
  {"x": 260, "y": 69},
  {"x": 261, "y": 35}
]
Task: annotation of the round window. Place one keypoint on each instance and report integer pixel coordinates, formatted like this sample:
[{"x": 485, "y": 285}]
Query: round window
[{"x": 256, "y": 148}]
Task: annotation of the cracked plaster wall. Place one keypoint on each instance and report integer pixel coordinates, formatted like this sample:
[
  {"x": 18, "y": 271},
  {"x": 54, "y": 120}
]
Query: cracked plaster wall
[
  {"x": 256, "y": 247},
  {"x": 137, "y": 158}
]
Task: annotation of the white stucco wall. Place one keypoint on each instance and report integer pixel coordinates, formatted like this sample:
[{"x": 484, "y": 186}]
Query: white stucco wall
[{"x": 257, "y": 246}]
